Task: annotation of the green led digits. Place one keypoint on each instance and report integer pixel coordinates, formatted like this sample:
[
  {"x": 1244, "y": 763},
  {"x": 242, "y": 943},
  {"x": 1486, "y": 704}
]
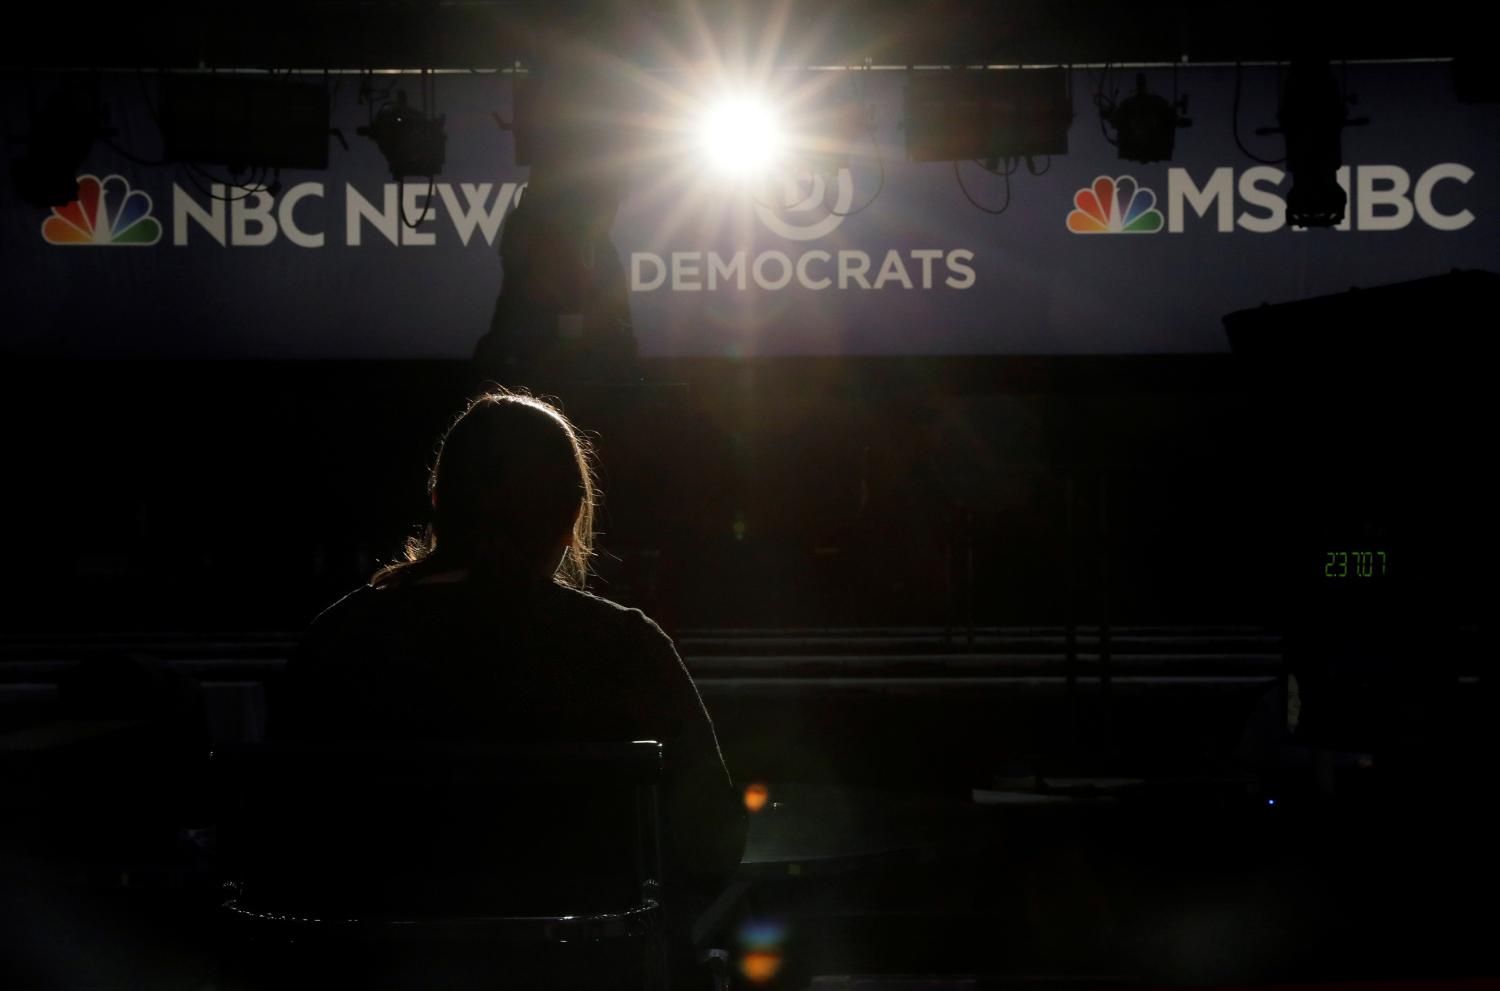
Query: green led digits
[{"x": 1355, "y": 564}]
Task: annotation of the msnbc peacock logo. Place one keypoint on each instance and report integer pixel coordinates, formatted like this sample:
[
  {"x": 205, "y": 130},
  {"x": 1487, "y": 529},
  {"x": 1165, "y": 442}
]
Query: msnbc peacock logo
[
  {"x": 106, "y": 212},
  {"x": 1115, "y": 206}
]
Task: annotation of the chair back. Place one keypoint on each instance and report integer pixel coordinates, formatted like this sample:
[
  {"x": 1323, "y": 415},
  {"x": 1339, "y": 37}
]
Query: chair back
[{"x": 414, "y": 831}]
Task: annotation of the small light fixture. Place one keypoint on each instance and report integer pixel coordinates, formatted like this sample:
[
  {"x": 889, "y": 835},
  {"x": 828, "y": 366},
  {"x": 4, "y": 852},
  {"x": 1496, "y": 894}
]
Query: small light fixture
[
  {"x": 1145, "y": 123},
  {"x": 61, "y": 134},
  {"x": 413, "y": 143},
  {"x": 1312, "y": 119}
]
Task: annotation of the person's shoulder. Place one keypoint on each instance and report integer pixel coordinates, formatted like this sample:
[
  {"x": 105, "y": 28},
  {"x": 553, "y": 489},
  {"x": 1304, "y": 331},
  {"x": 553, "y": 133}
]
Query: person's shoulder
[
  {"x": 585, "y": 601},
  {"x": 608, "y": 612},
  {"x": 348, "y": 602},
  {"x": 342, "y": 610},
  {"x": 638, "y": 649},
  {"x": 324, "y": 641}
]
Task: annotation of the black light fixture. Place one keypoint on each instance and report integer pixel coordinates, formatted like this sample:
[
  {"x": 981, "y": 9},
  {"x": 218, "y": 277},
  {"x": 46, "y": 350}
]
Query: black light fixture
[
  {"x": 244, "y": 122},
  {"x": 1473, "y": 78},
  {"x": 61, "y": 133},
  {"x": 987, "y": 115},
  {"x": 1312, "y": 119},
  {"x": 413, "y": 143},
  {"x": 1145, "y": 123},
  {"x": 843, "y": 125}
]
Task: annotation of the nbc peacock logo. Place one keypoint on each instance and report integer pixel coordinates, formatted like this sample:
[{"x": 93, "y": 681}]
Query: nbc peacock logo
[
  {"x": 1114, "y": 206},
  {"x": 106, "y": 212}
]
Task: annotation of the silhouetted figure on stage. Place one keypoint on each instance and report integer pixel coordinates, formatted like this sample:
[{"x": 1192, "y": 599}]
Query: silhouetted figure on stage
[
  {"x": 563, "y": 313},
  {"x": 484, "y": 633}
]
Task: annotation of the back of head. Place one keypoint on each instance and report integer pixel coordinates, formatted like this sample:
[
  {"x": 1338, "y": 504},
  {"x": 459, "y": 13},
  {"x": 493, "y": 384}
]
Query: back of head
[{"x": 512, "y": 485}]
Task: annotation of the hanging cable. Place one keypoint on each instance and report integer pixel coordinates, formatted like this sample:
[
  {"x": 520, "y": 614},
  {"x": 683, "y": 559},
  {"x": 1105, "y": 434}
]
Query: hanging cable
[
  {"x": 1011, "y": 165},
  {"x": 188, "y": 170},
  {"x": 1235, "y": 118},
  {"x": 255, "y": 184},
  {"x": 426, "y": 206},
  {"x": 1102, "y": 103},
  {"x": 975, "y": 203},
  {"x": 427, "y": 93}
]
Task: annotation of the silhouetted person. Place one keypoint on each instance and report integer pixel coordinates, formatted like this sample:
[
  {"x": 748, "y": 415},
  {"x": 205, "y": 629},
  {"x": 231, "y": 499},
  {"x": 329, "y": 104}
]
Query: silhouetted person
[
  {"x": 563, "y": 312},
  {"x": 484, "y": 633}
]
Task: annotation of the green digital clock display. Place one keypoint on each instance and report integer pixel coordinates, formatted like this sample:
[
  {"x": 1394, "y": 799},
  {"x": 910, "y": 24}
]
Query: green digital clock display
[{"x": 1356, "y": 564}]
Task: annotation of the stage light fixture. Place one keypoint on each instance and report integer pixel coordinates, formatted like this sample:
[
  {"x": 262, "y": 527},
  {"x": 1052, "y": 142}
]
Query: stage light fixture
[
  {"x": 1145, "y": 123},
  {"x": 1312, "y": 118},
  {"x": 413, "y": 143},
  {"x": 835, "y": 133},
  {"x": 244, "y": 122},
  {"x": 741, "y": 136},
  {"x": 59, "y": 138},
  {"x": 987, "y": 115},
  {"x": 1474, "y": 80},
  {"x": 568, "y": 122}
]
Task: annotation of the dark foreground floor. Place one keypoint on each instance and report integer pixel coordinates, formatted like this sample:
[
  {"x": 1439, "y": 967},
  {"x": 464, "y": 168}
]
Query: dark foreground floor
[
  {"x": 1180, "y": 884},
  {"x": 935, "y": 820}
]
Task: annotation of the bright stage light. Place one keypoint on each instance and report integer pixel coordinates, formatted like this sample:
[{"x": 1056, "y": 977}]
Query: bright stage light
[{"x": 741, "y": 136}]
